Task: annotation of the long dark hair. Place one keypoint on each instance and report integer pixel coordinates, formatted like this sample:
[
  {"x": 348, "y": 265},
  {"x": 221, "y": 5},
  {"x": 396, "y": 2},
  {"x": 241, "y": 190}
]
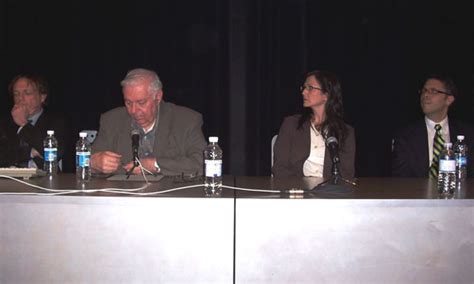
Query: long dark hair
[{"x": 333, "y": 124}]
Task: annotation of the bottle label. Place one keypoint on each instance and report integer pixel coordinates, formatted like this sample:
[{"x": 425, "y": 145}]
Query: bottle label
[
  {"x": 462, "y": 161},
  {"x": 213, "y": 168},
  {"x": 447, "y": 165},
  {"x": 83, "y": 159},
  {"x": 50, "y": 154}
]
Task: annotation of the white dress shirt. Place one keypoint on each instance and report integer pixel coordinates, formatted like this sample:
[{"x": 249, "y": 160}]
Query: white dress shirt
[{"x": 314, "y": 165}]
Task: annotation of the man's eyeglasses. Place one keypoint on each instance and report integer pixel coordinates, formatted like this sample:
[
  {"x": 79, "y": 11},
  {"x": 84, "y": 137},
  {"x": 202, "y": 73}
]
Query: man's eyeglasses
[
  {"x": 25, "y": 92},
  {"x": 309, "y": 88},
  {"x": 431, "y": 92}
]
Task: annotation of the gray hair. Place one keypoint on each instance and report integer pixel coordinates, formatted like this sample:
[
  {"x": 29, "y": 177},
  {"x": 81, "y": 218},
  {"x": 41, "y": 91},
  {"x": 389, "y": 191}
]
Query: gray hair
[{"x": 141, "y": 75}]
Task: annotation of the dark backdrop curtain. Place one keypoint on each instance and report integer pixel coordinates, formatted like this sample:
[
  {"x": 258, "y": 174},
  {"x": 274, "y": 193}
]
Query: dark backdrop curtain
[
  {"x": 381, "y": 52},
  {"x": 240, "y": 62},
  {"x": 84, "y": 49}
]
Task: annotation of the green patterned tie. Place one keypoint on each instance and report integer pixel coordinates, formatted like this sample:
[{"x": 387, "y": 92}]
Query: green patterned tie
[{"x": 438, "y": 144}]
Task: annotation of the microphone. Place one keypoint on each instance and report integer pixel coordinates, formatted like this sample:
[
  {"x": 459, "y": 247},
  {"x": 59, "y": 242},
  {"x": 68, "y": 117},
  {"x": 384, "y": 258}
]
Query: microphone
[
  {"x": 333, "y": 146},
  {"x": 336, "y": 184},
  {"x": 135, "y": 144}
]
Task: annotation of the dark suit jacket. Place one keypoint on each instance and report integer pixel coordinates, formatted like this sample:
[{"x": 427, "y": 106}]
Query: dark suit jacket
[
  {"x": 10, "y": 153},
  {"x": 292, "y": 149},
  {"x": 179, "y": 141},
  {"x": 410, "y": 157}
]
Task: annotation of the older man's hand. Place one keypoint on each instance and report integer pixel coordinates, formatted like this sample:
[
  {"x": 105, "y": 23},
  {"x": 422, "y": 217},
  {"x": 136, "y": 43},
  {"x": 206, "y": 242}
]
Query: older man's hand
[
  {"x": 105, "y": 162},
  {"x": 147, "y": 163}
]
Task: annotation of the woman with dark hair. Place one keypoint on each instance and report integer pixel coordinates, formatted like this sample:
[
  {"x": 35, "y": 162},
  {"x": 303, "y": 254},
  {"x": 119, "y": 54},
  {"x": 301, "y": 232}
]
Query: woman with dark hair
[{"x": 300, "y": 148}]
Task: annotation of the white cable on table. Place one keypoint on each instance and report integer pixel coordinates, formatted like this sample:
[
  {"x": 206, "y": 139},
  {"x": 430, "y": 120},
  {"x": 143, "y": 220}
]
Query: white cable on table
[
  {"x": 65, "y": 191},
  {"x": 127, "y": 191}
]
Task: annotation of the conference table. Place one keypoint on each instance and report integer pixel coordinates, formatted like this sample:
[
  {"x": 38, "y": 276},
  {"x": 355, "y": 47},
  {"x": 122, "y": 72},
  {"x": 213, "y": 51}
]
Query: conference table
[{"x": 388, "y": 230}]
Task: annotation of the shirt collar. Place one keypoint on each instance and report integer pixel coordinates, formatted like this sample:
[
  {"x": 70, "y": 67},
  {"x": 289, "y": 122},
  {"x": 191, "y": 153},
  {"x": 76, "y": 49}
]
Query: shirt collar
[
  {"x": 34, "y": 118},
  {"x": 431, "y": 124},
  {"x": 152, "y": 127}
]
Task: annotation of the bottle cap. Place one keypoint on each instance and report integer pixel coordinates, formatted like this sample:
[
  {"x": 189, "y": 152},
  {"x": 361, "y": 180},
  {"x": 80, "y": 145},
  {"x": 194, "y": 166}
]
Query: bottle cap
[
  {"x": 82, "y": 134},
  {"x": 460, "y": 137},
  {"x": 50, "y": 132},
  {"x": 213, "y": 139}
]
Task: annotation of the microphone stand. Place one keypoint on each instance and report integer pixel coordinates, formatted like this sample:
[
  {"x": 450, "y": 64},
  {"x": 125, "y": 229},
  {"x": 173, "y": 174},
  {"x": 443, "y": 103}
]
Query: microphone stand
[
  {"x": 136, "y": 163},
  {"x": 336, "y": 183}
]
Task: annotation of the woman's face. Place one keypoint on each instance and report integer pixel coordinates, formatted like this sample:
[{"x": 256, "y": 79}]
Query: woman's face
[{"x": 312, "y": 93}]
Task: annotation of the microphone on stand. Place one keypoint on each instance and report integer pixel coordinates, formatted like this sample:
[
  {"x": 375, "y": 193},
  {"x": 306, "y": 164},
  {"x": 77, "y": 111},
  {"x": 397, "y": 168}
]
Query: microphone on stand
[
  {"x": 336, "y": 184},
  {"x": 135, "y": 135},
  {"x": 135, "y": 144},
  {"x": 333, "y": 146}
]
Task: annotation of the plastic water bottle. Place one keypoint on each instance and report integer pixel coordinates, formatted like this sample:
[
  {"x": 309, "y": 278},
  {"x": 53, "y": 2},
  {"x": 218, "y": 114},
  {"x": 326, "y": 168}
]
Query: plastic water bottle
[
  {"x": 83, "y": 155},
  {"x": 50, "y": 145},
  {"x": 447, "y": 171},
  {"x": 460, "y": 152},
  {"x": 213, "y": 167}
]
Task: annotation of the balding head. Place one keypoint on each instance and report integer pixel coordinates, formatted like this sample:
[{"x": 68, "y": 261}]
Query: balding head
[{"x": 140, "y": 76}]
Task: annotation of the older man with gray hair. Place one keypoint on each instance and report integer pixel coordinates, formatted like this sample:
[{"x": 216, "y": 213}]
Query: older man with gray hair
[{"x": 171, "y": 139}]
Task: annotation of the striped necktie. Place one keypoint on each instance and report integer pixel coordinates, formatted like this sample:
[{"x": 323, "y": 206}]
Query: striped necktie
[{"x": 438, "y": 143}]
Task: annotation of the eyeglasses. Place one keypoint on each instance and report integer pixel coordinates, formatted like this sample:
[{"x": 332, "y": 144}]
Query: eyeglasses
[
  {"x": 432, "y": 92},
  {"x": 25, "y": 92},
  {"x": 309, "y": 88}
]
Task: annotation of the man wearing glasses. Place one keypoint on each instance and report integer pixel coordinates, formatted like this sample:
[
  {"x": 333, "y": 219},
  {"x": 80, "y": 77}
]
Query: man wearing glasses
[{"x": 415, "y": 147}]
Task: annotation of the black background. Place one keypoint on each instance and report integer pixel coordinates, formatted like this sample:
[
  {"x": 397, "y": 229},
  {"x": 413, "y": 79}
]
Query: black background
[{"x": 240, "y": 63}]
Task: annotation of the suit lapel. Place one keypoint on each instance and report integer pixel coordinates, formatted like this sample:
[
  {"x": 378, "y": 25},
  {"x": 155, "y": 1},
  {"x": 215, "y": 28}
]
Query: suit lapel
[
  {"x": 123, "y": 143},
  {"x": 40, "y": 127},
  {"x": 41, "y": 122},
  {"x": 303, "y": 140},
  {"x": 163, "y": 129},
  {"x": 421, "y": 148},
  {"x": 454, "y": 130}
]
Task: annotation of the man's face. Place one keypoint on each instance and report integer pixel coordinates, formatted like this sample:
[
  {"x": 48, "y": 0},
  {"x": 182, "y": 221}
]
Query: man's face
[
  {"x": 434, "y": 99},
  {"x": 141, "y": 105},
  {"x": 26, "y": 93}
]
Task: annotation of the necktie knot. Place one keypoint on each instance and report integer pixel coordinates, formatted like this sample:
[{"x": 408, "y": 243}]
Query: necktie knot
[{"x": 437, "y": 127}]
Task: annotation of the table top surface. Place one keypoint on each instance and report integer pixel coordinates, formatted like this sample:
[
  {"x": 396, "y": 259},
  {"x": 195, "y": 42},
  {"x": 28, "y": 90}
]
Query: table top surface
[{"x": 260, "y": 186}]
